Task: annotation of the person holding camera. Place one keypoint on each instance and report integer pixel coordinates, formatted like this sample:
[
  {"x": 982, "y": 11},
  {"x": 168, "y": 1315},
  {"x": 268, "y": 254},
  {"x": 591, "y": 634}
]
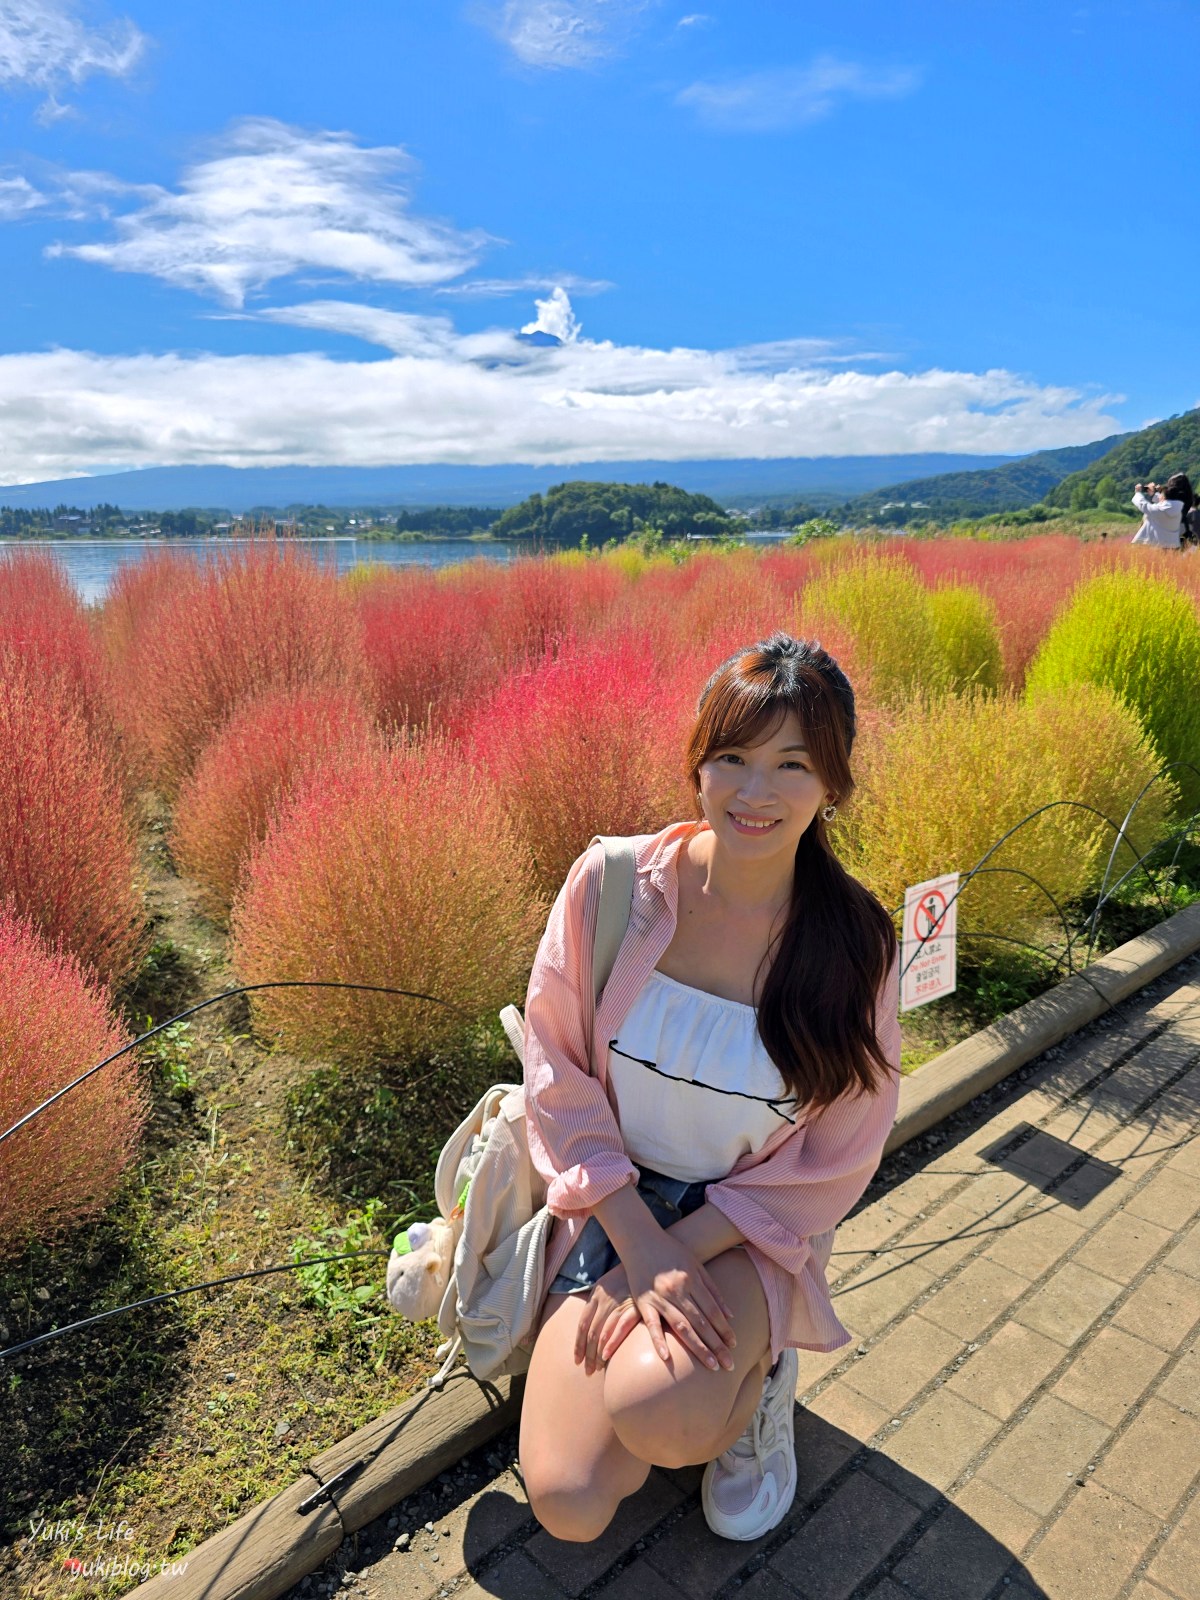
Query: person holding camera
[{"x": 1164, "y": 508}]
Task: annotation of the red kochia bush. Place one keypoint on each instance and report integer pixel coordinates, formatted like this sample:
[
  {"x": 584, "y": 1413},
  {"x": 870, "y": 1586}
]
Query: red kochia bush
[
  {"x": 250, "y": 621},
  {"x": 401, "y": 869},
  {"x": 589, "y": 742},
  {"x": 67, "y": 851},
  {"x": 265, "y": 749},
  {"x": 428, "y": 646},
  {"x": 55, "y": 1021},
  {"x": 43, "y": 622}
]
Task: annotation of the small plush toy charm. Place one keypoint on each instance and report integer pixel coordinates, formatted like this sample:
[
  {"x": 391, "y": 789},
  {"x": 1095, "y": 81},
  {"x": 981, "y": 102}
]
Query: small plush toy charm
[{"x": 419, "y": 1267}]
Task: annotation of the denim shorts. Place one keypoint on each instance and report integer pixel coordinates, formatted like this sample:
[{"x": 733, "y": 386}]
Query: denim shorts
[{"x": 593, "y": 1256}]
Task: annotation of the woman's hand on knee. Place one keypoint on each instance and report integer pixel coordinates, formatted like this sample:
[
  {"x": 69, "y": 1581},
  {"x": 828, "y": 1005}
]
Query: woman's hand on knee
[
  {"x": 672, "y": 1289},
  {"x": 607, "y": 1306}
]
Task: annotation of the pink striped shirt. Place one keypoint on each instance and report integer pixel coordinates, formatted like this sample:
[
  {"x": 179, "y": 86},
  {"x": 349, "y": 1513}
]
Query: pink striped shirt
[{"x": 785, "y": 1199}]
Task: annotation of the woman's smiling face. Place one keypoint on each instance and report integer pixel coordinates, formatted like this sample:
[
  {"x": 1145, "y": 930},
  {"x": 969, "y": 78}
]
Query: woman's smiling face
[{"x": 761, "y": 798}]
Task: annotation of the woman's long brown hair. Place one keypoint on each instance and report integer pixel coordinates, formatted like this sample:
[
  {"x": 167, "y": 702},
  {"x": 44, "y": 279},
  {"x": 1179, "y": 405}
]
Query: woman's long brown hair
[{"x": 816, "y": 1011}]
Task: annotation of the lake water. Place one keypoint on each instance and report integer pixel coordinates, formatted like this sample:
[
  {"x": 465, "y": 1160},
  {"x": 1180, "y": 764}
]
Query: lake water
[{"x": 91, "y": 563}]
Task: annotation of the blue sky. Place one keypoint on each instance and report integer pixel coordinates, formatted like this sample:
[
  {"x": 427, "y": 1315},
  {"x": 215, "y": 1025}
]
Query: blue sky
[{"x": 255, "y": 234}]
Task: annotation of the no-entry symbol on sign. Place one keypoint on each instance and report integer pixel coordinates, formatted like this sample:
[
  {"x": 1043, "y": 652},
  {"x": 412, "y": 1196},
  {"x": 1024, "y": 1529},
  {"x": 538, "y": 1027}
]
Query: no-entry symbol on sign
[{"x": 929, "y": 941}]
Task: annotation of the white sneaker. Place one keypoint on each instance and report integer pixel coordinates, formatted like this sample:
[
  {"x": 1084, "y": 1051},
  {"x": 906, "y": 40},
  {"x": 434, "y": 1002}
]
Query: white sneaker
[{"x": 749, "y": 1488}]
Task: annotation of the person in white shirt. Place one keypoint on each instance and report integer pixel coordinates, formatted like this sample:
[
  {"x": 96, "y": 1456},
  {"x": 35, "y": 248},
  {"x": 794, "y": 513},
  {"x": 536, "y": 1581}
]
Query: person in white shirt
[{"x": 1164, "y": 511}]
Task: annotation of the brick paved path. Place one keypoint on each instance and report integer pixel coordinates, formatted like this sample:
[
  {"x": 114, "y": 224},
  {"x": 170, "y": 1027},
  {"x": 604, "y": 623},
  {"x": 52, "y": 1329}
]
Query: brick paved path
[{"x": 1019, "y": 1412}]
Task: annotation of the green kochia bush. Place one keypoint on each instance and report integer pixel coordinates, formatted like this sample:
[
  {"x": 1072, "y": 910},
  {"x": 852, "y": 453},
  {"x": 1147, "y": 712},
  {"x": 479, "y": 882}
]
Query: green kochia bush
[
  {"x": 1139, "y": 636},
  {"x": 399, "y": 868},
  {"x": 944, "y": 778},
  {"x": 908, "y": 639},
  {"x": 964, "y": 623}
]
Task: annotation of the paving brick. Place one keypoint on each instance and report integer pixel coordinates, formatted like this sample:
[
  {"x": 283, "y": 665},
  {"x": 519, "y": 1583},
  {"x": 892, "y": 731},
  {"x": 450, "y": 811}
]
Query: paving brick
[
  {"x": 1171, "y": 1199},
  {"x": 922, "y": 1192},
  {"x": 992, "y": 1195},
  {"x": 1084, "y": 1125},
  {"x": 640, "y": 1582},
  {"x": 1163, "y": 1309},
  {"x": 1044, "y": 1155},
  {"x": 943, "y": 1239},
  {"x": 1088, "y": 1195},
  {"x": 1093, "y": 1547},
  {"x": 839, "y": 1547},
  {"x": 1034, "y": 1239},
  {"x": 815, "y": 1366},
  {"x": 822, "y": 1449},
  {"x": 969, "y": 1303},
  {"x": 1035, "y": 1463},
  {"x": 1186, "y": 1157},
  {"x": 1007, "y": 1370},
  {"x": 1003, "y": 1518},
  {"x": 516, "y": 1578},
  {"x": 764, "y": 1585},
  {"x": 1155, "y": 1459},
  {"x": 695, "y": 1560},
  {"x": 1122, "y": 1246},
  {"x": 1109, "y": 1375},
  {"x": 954, "y": 1559},
  {"x": 1181, "y": 1386},
  {"x": 1177, "y": 1563},
  {"x": 575, "y": 1566},
  {"x": 1186, "y": 1255},
  {"x": 870, "y": 1228},
  {"x": 1066, "y": 1307},
  {"x": 941, "y": 1438},
  {"x": 886, "y": 1286},
  {"x": 1148, "y": 1591},
  {"x": 842, "y": 1408},
  {"x": 903, "y": 1362}
]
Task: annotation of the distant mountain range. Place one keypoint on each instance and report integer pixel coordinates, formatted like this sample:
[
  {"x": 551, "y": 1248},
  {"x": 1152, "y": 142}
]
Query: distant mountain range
[
  {"x": 1009, "y": 487},
  {"x": 1149, "y": 456},
  {"x": 814, "y": 479}
]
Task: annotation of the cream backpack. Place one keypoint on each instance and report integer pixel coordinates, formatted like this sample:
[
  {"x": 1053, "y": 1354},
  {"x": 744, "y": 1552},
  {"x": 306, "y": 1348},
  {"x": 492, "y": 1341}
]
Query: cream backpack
[{"x": 486, "y": 1180}]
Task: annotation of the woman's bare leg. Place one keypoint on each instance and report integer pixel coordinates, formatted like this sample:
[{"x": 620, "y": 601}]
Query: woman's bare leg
[
  {"x": 575, "y": 1468},
  {"x": 587, "y": 1442},
  {"x": 680, "y": 1413}
]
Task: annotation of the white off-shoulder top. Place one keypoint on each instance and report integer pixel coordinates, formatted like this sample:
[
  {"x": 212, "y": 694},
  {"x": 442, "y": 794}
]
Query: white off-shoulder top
[{"x": 695, "y": 1089}]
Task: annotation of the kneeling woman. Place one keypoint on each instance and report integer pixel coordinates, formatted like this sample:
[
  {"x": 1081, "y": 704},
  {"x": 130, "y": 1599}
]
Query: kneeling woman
[{"x": 743, "y": 1082}]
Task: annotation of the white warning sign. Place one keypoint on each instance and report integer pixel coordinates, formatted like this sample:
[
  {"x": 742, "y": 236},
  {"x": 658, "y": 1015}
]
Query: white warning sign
[{"x": 929, "y": 942}]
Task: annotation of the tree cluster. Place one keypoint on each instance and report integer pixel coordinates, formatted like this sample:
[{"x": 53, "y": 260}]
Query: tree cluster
[
  {"x": 1150, "y": 456},
  {"x": 571, "y": 512}
]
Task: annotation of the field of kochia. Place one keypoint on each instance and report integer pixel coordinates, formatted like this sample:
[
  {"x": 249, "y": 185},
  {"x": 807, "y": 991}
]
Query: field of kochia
[{"x": 383, "y": 778}]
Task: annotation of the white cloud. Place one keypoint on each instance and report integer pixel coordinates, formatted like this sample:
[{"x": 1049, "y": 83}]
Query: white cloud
[
  {"x": 789, "y": 97},
  {"x": 18, "y": 197},
  {"x": 273, "y": 201},
  {"x": 565, "y": 33},
  {"x": 486, "y": 398},
  {"x": 555, "y": 316},
  {"x": 696, "y": 19},
  {"x": 45, "y": 44},
  {"x": 488, "y": 288}
]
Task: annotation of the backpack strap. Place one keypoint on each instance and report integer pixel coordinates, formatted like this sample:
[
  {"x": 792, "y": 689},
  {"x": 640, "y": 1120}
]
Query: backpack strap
[
  {"x": 616, "y": 903},
  {"x": 612, "y": 922}
]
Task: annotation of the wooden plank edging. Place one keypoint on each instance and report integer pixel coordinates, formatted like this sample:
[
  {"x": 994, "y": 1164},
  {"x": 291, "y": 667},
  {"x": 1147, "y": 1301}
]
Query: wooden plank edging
[{"x": 272, "y": 1547}]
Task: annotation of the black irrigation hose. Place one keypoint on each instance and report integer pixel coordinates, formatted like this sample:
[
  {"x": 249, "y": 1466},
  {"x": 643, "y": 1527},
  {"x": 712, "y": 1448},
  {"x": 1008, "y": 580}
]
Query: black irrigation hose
[
  {"x": 226, "y": 994},
  {"x": 1121, "y": 833},
  {"x": 173, "y": 1294}
]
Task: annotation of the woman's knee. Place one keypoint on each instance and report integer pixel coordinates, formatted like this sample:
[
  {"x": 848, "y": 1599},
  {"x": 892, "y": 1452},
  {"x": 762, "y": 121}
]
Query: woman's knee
[
  {"x": 669, "y": 1417},
  {"x": 576, "y": 1515}
]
